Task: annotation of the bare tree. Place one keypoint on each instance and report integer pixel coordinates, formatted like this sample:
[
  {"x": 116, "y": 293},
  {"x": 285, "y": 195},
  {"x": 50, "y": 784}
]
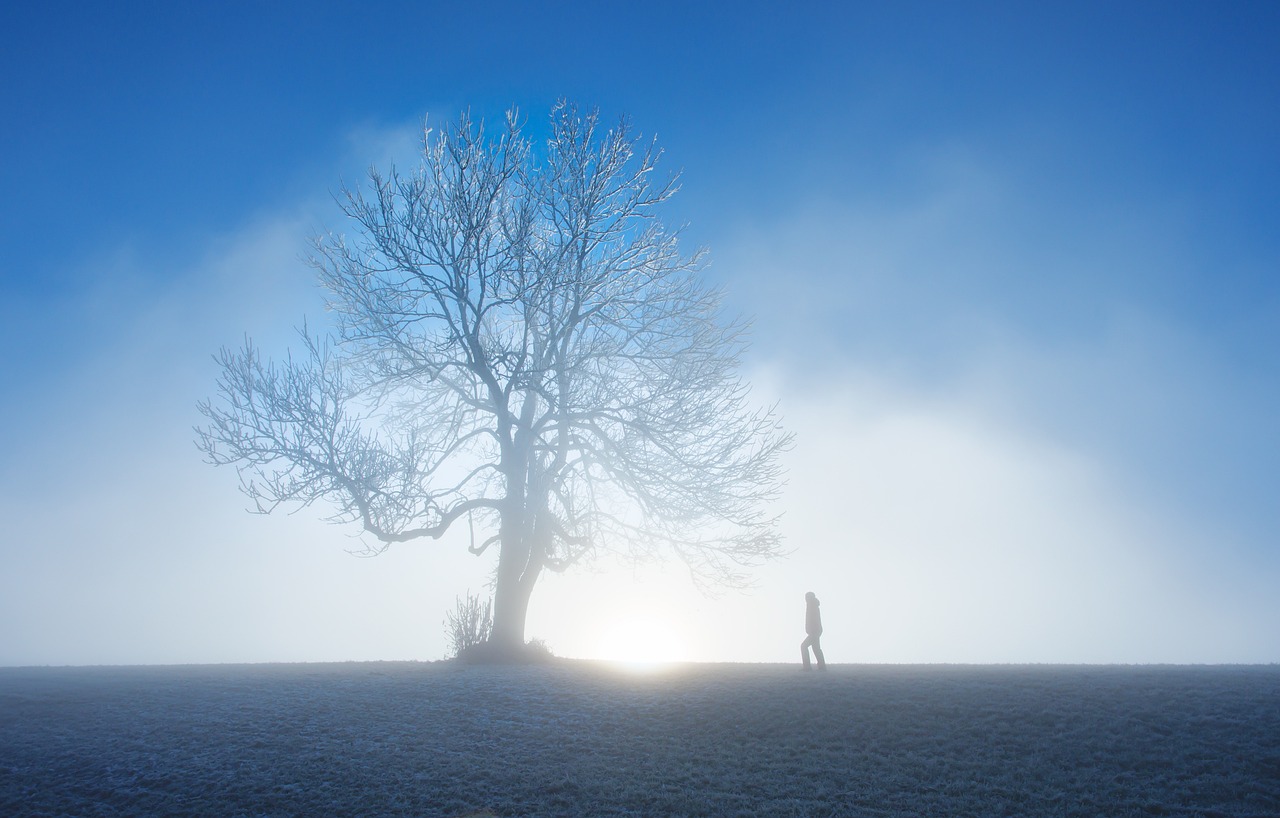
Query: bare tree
[{"x": 519, "y": 346}]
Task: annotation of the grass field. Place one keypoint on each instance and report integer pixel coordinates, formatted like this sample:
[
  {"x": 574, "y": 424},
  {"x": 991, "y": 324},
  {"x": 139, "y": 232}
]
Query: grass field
[{"x": 577, "y": 738}]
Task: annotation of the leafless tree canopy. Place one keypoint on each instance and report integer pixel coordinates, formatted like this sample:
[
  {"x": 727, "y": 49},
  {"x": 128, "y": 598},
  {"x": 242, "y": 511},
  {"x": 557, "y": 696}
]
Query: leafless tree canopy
[{"x": 520, "y": 345}]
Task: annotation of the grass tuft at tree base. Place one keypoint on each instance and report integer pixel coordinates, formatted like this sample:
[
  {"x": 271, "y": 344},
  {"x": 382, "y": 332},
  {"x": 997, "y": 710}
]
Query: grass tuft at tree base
[{"x": 533, "y": 652}]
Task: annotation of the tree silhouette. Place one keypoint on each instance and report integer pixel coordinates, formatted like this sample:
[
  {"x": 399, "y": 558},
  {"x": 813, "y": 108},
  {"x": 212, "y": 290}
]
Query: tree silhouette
[{"x": 519, "y": 345}]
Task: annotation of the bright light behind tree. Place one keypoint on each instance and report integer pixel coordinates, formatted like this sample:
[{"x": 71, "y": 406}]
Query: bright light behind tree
[{"x": 642, "y": 639}]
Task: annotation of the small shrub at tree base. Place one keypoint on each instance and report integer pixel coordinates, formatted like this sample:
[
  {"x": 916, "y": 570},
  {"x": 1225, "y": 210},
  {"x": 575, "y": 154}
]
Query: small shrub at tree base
[
  {"x": 533, "y": 652},
  {"x": 469, "y": 623},
  {"x": 539, "y": 648}
]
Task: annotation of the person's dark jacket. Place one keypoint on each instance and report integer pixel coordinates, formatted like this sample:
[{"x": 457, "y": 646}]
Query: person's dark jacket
[{"x": 812, "y": 618}]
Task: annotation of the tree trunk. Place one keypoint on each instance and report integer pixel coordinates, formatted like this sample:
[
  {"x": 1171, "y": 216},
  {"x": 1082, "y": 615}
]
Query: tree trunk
[
  {"x": 510, "y": 594},
  {"x": 519, "y": 566},
  {"x": 510, "y": 607},
  {"x": 520, "y": 555}
]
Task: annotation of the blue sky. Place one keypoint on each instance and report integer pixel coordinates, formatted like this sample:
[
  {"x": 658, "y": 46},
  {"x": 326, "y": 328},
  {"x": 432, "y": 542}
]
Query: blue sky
[{"x": 1015, "y": 275}]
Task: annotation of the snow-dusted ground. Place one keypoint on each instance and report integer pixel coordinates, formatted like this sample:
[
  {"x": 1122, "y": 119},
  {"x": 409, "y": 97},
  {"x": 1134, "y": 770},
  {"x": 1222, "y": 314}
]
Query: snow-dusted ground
[{"x": 581, "y": 739}]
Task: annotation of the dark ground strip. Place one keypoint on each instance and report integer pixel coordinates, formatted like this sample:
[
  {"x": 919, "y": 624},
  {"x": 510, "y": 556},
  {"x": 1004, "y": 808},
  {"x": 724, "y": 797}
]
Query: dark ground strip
[{"x": 577, "y": 738}]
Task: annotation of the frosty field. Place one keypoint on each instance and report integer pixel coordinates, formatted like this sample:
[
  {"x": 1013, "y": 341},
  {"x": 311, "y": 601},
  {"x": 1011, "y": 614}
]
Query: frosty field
[{"x": 577, "y": 738}]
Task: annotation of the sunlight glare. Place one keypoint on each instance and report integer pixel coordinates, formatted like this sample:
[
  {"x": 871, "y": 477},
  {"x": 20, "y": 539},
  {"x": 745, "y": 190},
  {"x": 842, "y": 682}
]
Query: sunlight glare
[{"x": 642, "y": 642}]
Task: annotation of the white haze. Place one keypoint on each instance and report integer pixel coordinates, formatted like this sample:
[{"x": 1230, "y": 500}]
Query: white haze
[{"x": 971, "y": 483}]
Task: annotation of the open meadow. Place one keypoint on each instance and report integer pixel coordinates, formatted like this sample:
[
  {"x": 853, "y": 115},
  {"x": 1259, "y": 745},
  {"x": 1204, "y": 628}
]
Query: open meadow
[{"x": 580, "y": 738}]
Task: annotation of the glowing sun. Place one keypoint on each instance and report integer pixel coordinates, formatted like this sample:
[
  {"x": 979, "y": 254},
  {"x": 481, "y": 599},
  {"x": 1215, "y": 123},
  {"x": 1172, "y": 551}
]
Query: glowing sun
[{"x": 642, "y": 639}]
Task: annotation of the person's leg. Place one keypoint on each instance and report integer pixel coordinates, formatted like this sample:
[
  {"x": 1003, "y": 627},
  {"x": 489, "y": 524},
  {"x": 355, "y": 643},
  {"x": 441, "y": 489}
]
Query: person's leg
[
  {"x": 804, "y": 651},
  {"x": 817, "y": 652}
]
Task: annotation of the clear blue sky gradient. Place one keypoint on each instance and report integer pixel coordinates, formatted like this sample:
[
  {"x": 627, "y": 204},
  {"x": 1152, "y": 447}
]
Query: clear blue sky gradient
[{"x": 1053, "y": 226}]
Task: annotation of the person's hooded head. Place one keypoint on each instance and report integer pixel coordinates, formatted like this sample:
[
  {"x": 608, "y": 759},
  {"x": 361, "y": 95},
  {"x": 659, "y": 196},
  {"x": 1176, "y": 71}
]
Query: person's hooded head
[{"x": 810, "y": 597}]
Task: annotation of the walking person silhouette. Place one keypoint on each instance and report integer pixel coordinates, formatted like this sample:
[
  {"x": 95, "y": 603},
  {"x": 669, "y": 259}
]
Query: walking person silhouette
[{"x": 812, "y": 627}]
